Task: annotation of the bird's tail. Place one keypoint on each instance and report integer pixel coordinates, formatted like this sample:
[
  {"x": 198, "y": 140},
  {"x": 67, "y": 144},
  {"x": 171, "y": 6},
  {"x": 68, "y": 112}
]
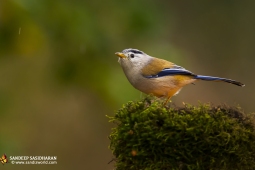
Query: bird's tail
[{"x": 209, "y": 78}]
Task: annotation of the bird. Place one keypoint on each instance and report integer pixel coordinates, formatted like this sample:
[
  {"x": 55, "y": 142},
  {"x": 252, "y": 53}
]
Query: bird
[{"x": 159, "y": 77}]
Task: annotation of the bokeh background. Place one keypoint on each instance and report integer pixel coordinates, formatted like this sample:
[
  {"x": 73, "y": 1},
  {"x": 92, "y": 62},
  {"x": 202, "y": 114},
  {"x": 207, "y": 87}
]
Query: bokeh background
[{"x": 60, "y": 77}]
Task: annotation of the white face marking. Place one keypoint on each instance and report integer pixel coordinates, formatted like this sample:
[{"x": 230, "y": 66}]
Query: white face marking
[{"x": 135, "y": 58}]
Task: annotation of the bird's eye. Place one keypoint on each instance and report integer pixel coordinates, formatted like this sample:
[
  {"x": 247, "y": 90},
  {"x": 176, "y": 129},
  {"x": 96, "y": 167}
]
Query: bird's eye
[{"x": 132, "y": 55}]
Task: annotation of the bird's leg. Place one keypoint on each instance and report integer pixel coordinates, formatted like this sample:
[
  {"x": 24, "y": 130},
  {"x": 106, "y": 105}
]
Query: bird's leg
[
  {"x": 171, "y": 93},
  {"x": 168, "y": 98}
]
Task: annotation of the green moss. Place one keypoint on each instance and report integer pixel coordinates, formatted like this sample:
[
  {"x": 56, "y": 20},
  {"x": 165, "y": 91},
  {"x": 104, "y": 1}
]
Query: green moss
[{"x": 152, "y": 136}]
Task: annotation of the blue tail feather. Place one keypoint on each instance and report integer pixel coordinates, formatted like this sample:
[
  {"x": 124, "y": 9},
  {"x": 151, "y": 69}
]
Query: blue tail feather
[{"x": 209, "y": 78}]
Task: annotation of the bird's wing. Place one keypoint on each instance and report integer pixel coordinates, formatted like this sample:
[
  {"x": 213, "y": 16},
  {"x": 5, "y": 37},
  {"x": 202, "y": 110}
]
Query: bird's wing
[{"x": 159, "y": 68}]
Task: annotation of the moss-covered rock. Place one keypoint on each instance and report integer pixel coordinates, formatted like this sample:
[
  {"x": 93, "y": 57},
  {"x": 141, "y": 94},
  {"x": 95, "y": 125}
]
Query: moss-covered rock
[{"x": 151, "y": 136}]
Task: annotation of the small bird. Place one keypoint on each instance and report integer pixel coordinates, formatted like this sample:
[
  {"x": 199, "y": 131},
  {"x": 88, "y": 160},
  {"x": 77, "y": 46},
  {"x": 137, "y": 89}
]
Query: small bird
[{"x": 159, "y": 77}]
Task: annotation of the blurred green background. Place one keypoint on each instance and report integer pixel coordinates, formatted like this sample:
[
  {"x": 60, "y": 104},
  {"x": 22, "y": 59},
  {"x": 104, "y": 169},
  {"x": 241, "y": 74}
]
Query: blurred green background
[{"x": 60, "y": 77}]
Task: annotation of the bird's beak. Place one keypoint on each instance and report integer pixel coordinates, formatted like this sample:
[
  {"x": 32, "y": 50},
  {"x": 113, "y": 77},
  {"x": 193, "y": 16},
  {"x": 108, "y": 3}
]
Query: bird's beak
[{"x": 121, "y": 55}]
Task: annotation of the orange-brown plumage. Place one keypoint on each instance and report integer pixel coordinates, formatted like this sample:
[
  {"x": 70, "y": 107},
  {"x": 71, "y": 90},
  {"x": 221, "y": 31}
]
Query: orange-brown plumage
[{"x": 155, "y": 66}]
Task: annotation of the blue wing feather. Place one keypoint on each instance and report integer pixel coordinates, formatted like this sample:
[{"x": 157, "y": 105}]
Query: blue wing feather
[{"x": 177, "y": 70}]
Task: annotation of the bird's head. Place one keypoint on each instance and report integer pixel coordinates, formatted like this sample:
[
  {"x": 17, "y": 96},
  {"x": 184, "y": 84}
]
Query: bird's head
[{"x": 132, "y": 58}]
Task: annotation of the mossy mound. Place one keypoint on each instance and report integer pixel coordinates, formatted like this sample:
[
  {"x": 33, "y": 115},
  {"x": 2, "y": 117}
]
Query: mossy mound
[{"x": 151, "y": 136}]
